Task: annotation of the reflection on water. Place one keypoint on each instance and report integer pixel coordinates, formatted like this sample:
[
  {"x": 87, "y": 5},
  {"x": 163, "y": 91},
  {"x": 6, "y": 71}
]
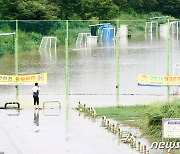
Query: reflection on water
[
  {"x": 57, "y": 135},
  {"x": 13, "y": 112},
  {"x": 93, "y": 70},
  {"x": 75, "y": 134},
  {"x": 51, "y": 112},
  {"x": 36, "y": 120},
  {"x": 36, "y": 117}
]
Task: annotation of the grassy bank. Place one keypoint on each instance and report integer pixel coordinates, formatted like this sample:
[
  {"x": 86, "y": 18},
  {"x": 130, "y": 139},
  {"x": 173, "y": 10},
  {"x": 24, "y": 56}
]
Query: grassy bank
[{"x": 147, "y": 118}]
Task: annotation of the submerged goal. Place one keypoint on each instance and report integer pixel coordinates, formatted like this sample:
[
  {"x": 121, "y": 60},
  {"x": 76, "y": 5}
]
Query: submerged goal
[
  {"x": 176, "y": 72},
  {"x": 7, "y": 42},
  {"x": 82, "y": 39},
  {"x": 48, "y": 43},
  {"x": 150, "y": 26},
  {"x": 86, "y": 40}
]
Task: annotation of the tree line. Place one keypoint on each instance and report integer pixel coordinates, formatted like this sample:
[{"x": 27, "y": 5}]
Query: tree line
[{"x": 83, "y": 9}]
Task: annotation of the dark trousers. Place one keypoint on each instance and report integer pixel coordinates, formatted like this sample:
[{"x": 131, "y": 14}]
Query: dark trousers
[{"x": 36, "y": 100}]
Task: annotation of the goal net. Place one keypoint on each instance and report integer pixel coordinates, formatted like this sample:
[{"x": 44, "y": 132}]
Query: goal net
[
  {"x": 151, "y": 26},
  {"x": 176, "y": 72},
  {"x": 7, "y": 42},
  {"x": 48, "y": 45},
  {"x": 83, "y": 39}
]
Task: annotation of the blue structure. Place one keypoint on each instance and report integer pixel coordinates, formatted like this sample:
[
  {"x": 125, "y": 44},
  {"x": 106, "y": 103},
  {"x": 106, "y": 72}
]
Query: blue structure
[{"x": 106, "y": 32}]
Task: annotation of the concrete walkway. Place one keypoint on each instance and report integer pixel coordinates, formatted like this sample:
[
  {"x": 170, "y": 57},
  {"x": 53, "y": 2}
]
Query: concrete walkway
[{"x": 55, "y": 131}]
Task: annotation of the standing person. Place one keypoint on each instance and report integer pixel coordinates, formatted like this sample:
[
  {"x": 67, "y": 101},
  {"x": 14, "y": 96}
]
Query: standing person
[{"x": 35, "y": 91}]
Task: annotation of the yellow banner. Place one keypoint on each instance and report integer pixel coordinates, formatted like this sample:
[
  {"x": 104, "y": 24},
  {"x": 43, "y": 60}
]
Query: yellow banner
[
  {"x": 152, "y": 80},
  {"x": 23, "y": 79}
]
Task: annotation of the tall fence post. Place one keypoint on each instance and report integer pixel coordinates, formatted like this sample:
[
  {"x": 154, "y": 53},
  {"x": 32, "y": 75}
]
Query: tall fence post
[
  {"x": 16, "y": 56},
  {"x": 117, "y": 60},
  {"x": 168, "y": 58},
  {"x": 67, "y": 65}
]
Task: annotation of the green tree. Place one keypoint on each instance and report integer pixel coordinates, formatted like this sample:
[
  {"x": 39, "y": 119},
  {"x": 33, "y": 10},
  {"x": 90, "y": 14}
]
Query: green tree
[
  {"x": 68, "y": 9},
  {"x": 9, "y": 9},
  {"x": 28, "y": 9},
  {"x": 41, "y": 9},
  {"x": 136, "y": 4},
  {"x": 83, "y": 9},
  {"x": 149, "y": 6},
  {"x": 122, "y": 4},
  {"x": 98, "y": 9},
  {"x": 170, "y": 7}
]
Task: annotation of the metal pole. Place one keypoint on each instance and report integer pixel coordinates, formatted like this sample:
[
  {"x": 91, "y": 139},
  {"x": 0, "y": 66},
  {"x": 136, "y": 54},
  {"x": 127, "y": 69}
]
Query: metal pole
[
  {"x": 156, "y": 27},
  {"x": 55, "y": 47},
  {"x": 16, "y": 56},
  {"x": 0, "y": 46},
  {"x": 177, "y": 30},
  {"x": 67, "y": 67},
  {"x": 13, "y": 46},
  {"x": 151, "y": 26},
  {"x": 117, "y": 61},
  {"x": 168, "y": 58}
]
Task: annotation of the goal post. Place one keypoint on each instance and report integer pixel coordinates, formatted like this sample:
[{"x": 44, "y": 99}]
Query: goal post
[
  {"x": 86, "y": 40},
  {"x": 7, "y": 42},
  {"x": 176, "y": 72},
  {"x": 82, "y": 39},
  {"x": 149, "y": 26},
  {"x": 48, "y": 43}
]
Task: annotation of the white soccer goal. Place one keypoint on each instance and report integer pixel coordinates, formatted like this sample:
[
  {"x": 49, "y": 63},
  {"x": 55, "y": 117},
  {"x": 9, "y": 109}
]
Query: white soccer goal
[
  {"x": 174, "y": 26},
  {"x": 48, "y": 44},
  {"x": 85, "y": 39},
  {"x": 176, "y": 72},
  {"x": 149, "y": 26},
  {"x": 82, "y": 39},
  {"x": 6, "y": 34},
  {"x": 5, "y": 43}
]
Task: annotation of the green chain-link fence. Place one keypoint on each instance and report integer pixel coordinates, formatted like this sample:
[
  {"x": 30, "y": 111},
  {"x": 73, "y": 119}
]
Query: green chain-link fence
[{"x": 92, "y": 54}]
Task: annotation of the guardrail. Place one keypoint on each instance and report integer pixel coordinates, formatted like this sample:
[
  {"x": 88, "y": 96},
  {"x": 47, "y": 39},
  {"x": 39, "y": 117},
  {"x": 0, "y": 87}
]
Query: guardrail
[
  {"x": 57, "y": 103},
  {"x": 51, "y": 108},
  {"x": 12, "y": 103}
]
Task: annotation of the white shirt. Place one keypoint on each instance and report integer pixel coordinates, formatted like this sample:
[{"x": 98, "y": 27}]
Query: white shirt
[{"x": 35, "y": 89}]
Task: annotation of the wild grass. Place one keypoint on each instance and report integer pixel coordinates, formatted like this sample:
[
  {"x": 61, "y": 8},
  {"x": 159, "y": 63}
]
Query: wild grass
[{"x": 148, "y": 118}]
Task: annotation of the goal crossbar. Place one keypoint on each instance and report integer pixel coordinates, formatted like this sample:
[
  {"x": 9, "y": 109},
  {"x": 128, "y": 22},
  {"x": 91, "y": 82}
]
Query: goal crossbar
[{"x": 6, "y": 34}]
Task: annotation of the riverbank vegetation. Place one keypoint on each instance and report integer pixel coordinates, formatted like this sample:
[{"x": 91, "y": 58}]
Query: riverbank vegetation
[
  {"x": 148, "y": 118},
  {"x": 83, "y": 9}
]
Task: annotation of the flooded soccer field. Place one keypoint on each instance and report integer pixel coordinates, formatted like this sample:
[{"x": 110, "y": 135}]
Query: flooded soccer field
[{"x": 89, "y": 77}]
